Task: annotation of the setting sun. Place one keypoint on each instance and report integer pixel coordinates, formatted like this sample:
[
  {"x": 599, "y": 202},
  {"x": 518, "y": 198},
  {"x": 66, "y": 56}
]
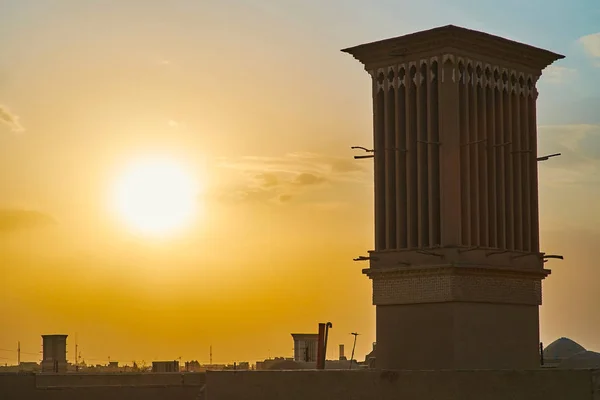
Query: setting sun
[{"x": 156, "y": 196}]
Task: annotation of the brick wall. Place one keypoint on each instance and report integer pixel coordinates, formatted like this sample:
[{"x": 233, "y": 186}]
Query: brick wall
[{"x": 455, "y": 283}]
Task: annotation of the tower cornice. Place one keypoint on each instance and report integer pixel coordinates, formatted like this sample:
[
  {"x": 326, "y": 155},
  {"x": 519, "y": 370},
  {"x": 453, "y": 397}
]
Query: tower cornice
[
  {"x": 451, "y": 39},
  {"x": 447, "y": 269}
]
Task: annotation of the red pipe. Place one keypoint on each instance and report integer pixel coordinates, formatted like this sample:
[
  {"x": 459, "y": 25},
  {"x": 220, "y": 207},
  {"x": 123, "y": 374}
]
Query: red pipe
[{"x": 322, "y": 345}]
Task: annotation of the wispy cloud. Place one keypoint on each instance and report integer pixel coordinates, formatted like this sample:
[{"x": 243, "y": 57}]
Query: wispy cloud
[
  {"x": 343, "y": 168},
  {"x": 12, "y": 220},
  {"x": 10, "y": 119},
  {"x": 307, "y": 179},
  {"x": 269, "y": 179},
  {"x": 326, "y": 205},
  {"x": 285, "y": 197},
  {"x": 282, "y": 179},
  {"x": 591, "y": 45},
  {"x": 556, "y": 74},
  {"x": 579, "y": 146}
]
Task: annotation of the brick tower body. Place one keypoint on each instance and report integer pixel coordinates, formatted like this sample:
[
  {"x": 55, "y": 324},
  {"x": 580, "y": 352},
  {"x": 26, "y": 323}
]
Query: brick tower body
[
  {"x": 54, "y": 349},
  {"x": 457, "y": 267}
]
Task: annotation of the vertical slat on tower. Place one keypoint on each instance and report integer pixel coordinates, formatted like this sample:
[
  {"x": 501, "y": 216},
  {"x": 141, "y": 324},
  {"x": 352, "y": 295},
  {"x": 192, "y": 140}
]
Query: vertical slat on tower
[
  {"x": 434, "y": 154},
  {"x": 491, "y": 152},
  {"x": 517, "y": 156},
  {"x": 472, "y": 148},
  {"x": 465, "y": 182},
  {"x": 499, "y": 151},
  {"x": 418, "y": 115},
  {"x": 535, "y": 245},
  {"x": 526, "y": 167},
  {"x": 411, "y": 169},
  {"x": 450, "y": 161},
  {"x": 482, "y": 137},
  {"x": 422, "y": 155},
  {"x": 400, "y": 151},
  {"x": 390, "y": 160},
  {"x": 379, "y": 162},
  {"x": 509, "y": 184}
]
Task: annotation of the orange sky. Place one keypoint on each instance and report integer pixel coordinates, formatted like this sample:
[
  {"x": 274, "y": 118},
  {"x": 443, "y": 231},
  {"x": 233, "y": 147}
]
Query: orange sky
[{"x": 259, "y": 105}]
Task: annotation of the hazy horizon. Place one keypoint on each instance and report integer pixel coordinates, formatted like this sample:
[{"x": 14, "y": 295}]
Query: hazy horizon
[{"x": 254, "y": 103}]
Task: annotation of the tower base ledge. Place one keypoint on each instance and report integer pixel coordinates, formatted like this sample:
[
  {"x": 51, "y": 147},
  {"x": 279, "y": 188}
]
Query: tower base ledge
[
  {"x": 448, "y": 283},
  {"x": 457, "y": 255}
]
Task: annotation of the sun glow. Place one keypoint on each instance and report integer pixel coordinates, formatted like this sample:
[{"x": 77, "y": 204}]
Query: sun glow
[{"x": 156, "y": 196}]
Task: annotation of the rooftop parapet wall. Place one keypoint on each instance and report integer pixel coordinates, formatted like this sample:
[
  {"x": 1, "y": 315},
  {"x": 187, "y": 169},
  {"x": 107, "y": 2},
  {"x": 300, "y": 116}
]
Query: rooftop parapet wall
[
  {"x": 118, "y": 379},
  {"x": 118, "y": 386},
  {"x": 405, "y": 385}
]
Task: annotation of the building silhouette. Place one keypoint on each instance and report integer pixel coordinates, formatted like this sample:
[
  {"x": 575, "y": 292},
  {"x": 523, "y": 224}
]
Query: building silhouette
[
  {"x": 165, "y": 366},
  {"x": 54, "y": 353},
  {"x": 305, "y": 346},
  {"x": 342, "y": 356},
  {"x": 564, "y": 353}
]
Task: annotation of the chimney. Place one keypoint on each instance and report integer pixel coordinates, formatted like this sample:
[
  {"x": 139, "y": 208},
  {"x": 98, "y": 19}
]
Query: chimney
[{"x": 342, "y": 356}]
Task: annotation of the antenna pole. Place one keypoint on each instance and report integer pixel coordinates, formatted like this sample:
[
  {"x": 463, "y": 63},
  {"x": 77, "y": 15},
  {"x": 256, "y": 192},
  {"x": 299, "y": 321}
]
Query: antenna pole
[
  {"x": 355, "y": 334},
  {"x": 76, "y": 353}
]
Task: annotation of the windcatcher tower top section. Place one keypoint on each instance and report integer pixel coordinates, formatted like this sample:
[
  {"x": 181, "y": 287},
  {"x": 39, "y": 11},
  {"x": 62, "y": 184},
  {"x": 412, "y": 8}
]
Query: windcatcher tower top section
[
  {"x": 455, "y": 139},
  {"x": 456, "y": 259},
  {"x": 451, "y": 39}
]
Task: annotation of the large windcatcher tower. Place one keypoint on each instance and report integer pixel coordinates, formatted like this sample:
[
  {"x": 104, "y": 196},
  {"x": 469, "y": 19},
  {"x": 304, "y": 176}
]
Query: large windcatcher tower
[{"x": 457, "y": 267}]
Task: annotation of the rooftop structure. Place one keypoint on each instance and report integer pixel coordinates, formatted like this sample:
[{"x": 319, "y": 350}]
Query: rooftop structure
[
  {"x": 165, "y": 366},
  {"x": 54, "y": 349},
  {"x": 305, "y": 346},
  {"x": 561, "y": 349}
]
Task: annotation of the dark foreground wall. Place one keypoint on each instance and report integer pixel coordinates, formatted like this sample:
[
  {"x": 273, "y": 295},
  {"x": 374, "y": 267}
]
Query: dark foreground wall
[
  {"x": 118, "y": 386},
  {"x": 404, "y": 385}
]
